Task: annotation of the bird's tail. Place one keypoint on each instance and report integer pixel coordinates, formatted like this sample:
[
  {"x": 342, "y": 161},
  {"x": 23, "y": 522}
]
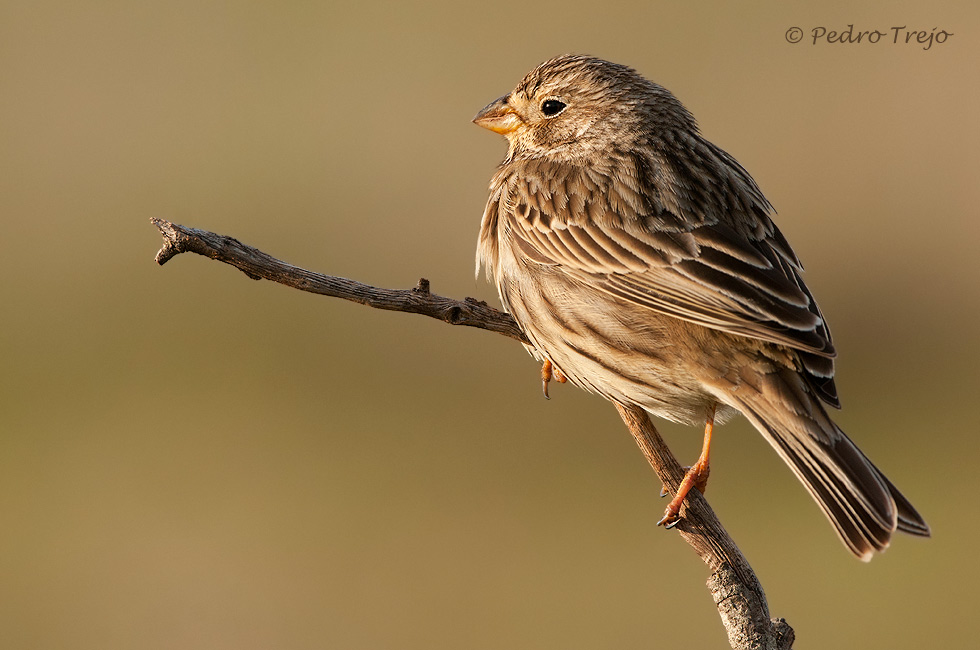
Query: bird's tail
[{"x": 863, "y": 505}]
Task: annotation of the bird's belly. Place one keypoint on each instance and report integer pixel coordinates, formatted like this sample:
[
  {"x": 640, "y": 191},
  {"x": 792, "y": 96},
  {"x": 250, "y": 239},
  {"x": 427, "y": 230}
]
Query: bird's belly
[{"x": 624, "y": 352}]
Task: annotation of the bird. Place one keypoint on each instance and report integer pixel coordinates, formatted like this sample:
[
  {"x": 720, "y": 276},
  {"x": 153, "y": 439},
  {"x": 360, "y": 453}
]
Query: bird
[{"x": 642, "y": 264}]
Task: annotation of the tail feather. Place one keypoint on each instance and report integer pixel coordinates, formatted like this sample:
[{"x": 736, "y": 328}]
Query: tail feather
[
  {"x": 864, "y": 507},
  {"x": 909, "y": 520}
]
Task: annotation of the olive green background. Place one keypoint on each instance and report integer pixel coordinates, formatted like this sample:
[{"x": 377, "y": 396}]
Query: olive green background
[{"x": 191, "y": 459}]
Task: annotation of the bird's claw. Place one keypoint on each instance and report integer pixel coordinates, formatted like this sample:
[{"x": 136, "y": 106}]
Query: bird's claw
[
  {"x": 549, "y": 372},
  {"x": 670, "y": 519}
]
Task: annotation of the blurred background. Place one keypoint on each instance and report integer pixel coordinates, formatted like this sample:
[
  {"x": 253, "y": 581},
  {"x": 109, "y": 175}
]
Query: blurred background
[{"x": 191, "y": 459}]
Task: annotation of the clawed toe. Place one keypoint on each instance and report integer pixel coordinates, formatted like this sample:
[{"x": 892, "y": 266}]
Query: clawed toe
[
  {"x": 695, "y": 476},
  {"x": 549, "y": 372},
  {"x": 700, "y": 485},
  {"x": 670, "y": 519}
]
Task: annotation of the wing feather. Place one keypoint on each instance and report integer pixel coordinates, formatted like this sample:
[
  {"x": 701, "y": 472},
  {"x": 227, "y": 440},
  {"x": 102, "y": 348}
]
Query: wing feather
[{"x": 710, "y": 274}]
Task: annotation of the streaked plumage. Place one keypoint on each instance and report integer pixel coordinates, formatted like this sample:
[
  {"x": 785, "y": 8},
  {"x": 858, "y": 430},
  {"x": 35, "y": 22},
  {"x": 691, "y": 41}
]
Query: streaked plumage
[{"x": 641, "y": 260}]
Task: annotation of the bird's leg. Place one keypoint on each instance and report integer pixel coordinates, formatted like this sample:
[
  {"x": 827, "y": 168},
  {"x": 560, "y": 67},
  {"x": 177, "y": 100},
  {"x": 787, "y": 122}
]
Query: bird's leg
[
  {"x": 696, "y": 476},
  {"x": 549, "y": 372}
]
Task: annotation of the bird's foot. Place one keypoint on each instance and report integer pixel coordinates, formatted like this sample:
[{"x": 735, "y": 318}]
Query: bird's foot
[
  {"x": 549, "y": 372},
  {"x": 695, "y": 477}
]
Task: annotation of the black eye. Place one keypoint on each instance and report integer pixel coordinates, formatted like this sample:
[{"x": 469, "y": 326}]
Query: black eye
[{"x": 552, "y": 107}]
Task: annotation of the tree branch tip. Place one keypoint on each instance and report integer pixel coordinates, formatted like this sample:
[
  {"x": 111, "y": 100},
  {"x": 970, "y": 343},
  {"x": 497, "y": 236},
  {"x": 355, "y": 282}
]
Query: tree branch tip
[
  {"x": 169, "y": 248},
  {"x": 785, "y": 634},
  {"x": 165, "y": 253}
]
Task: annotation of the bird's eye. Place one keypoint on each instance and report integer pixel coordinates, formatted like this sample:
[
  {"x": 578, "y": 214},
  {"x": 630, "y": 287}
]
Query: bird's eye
[{"x": 552, "y": 107}]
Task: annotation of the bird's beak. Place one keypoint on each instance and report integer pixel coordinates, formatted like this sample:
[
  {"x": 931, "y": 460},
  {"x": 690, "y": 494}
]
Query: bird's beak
[{"x": 498, "y": 117}]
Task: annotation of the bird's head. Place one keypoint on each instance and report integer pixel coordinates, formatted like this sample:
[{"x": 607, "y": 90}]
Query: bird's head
[{"x": 576, "y": 106}]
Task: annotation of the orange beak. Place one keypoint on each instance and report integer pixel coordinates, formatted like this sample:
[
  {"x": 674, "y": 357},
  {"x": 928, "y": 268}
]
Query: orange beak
[{"x": 498, "y": 117}]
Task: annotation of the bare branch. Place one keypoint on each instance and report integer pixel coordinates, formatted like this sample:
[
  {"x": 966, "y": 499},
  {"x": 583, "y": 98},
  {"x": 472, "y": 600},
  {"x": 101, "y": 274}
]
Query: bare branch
[
  {"x": 261, "y": 266},
  {"x": 734, "y": 586},
  {"x": 736, "y": 591}
]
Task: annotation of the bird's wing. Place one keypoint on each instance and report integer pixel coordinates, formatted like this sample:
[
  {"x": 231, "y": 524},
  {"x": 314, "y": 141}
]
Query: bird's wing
[{"x": 708, "y": 273}]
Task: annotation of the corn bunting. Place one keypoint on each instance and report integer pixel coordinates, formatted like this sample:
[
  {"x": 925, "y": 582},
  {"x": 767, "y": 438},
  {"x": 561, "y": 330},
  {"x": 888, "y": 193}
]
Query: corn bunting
[{"x": 641, "y": 262}]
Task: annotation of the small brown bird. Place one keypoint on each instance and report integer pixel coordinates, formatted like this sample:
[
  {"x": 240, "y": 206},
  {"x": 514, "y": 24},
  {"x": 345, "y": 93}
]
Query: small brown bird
[{"x": 642, "y": 264}]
